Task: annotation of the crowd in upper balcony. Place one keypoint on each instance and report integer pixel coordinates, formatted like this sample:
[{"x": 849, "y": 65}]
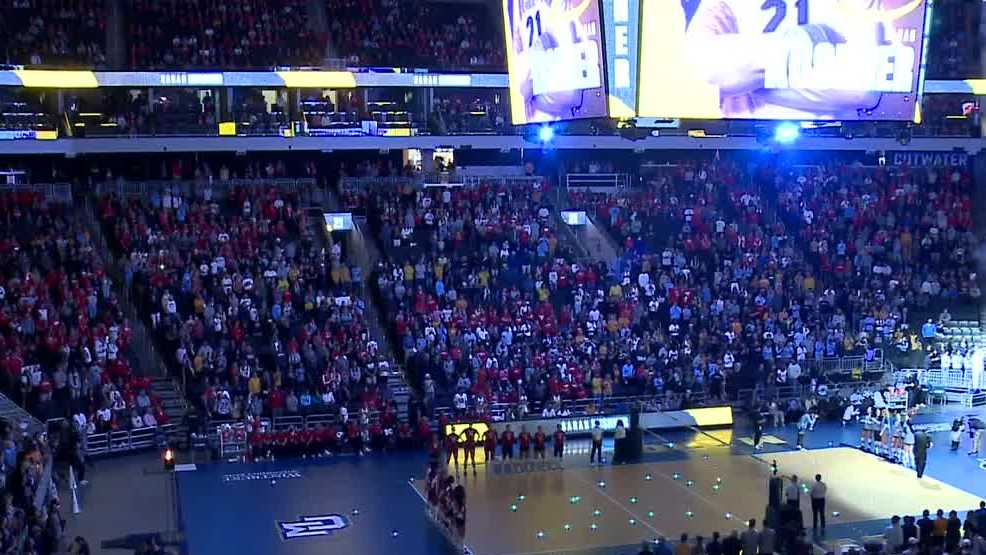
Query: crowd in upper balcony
[
  {"x": 417, "y": 34},
  {"x": 53, "y": 32},
  {"x": 238, "y": 34},
  {"x": 954, "y": 51}
]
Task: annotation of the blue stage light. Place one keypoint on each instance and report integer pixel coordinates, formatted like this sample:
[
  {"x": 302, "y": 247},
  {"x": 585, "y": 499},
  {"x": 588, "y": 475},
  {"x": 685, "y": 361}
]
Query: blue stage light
[
  {"x": 546, "y": 133},
  {"x": 786, "y": 132}
]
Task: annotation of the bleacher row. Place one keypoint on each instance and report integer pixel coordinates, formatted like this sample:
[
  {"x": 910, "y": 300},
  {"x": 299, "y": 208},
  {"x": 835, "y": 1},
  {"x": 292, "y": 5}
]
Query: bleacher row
[{"x": 267, "y": 33}]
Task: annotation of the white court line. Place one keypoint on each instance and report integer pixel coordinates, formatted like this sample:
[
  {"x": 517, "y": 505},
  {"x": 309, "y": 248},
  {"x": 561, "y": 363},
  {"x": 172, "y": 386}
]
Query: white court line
[{"x": 613, "y": 500}]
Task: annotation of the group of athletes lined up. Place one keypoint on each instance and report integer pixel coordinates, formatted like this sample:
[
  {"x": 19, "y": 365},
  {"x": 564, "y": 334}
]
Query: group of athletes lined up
[
  {"x": 327, "y": 440},
  {"x": 888, "y": 434},
  {"x": 468, "y": 440}
]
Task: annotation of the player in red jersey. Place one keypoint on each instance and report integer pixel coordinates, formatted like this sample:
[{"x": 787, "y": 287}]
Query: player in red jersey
[
  {"x": 470, "y": 447},
  {"x": 489, "y": 444},
  {"x": 452, "y": 448},
  {"x": 559, "y": 437},
  {"x": 539, "y": 440},
  {"x": 507, "y": 439},
  {"x": 525, "y": 443}
]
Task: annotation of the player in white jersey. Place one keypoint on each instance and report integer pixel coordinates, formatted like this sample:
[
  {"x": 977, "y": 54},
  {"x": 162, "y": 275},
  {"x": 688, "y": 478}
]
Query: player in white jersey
[{"x": 797, "y": 59}]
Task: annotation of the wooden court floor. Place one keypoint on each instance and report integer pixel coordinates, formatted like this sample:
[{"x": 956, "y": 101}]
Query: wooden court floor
[{"x": 583, "y": 509}]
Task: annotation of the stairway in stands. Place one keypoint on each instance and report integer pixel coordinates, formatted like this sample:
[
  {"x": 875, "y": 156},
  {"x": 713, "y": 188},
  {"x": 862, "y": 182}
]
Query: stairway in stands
[
  {"x": 149, "y": 362},
  {"x": 13, "y": 414},
  {"x": 361, "y": 249}
]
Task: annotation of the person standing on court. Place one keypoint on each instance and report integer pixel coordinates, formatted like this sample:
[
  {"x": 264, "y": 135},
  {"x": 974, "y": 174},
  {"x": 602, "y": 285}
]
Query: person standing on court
[
  {"x": 977, "y": 428},
  {"x": 818, "y": 491},
  {"x": 597, "y": 444},
  {"x": 507, "y": 439},
  {"x": 792, "y": 494},
  {"x": 559, "y": 443},
  {"x": 807, "y": 422},
  {"x": 922, "y": 442},
  {"x": 750, "y": 538},
  {"x": 757, "y": 427}
]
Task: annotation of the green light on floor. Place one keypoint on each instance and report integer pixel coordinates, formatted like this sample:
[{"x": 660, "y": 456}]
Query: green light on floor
[
  {"x": 596, "y": 512},
  {"x": 633, "y": 522},
  {"x": 650, "y": 514},
  {"x": 513, "y": 508},
  {"x": 633, "y": 500}
]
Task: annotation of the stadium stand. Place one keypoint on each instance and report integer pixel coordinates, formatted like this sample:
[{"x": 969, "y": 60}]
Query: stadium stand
[
  {"x": 65, "y": 340},
  {"x": 742, "y": 274},
  {"x": 954, "y": 51},
  {"x": 240, "y": 34},
  {"x": 249, "y": 305},
  {"x": 53, "y": 33},
  {"x": 415, "y": 34}
]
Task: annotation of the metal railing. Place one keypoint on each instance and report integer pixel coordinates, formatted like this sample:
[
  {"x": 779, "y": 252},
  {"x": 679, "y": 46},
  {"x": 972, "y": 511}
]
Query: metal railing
[
  {"x": 850, "y": 364},
  {"x": 591, "y": 405},
  {"x": 354, "y": 184},
  {"x": 53, "y": 192},
  {"x": 145, "y": 187},
  {"x": 122, "y": 441},
  {"x": 598, "y": 182},
  {"x": 939, "y": 378}
]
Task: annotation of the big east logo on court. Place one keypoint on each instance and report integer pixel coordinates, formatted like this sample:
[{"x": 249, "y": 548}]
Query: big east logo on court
[{"x": 312, "y": 526}]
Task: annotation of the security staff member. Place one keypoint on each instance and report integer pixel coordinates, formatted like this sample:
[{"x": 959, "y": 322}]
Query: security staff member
[
  {"x": 597, "y": 444},
  {"x": 922, "y": 442},
  {"x": 818, "y": 491}
]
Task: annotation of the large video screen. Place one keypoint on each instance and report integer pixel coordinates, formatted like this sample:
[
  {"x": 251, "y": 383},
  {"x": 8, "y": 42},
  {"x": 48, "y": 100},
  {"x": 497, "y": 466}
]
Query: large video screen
[
  {"x": 555, "y": 60},
  {"x": 776, "y": 59}
]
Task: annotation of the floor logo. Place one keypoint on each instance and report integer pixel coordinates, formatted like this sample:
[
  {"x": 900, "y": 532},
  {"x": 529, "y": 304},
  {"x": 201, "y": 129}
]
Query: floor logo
[{"x": 311, "y": 526}]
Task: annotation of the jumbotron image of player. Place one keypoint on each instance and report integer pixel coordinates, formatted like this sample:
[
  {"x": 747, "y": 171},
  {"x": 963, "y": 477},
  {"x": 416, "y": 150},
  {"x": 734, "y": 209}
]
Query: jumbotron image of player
[
  {"x": 559, "y": 69},
  {"x": 802, "y": 59}
]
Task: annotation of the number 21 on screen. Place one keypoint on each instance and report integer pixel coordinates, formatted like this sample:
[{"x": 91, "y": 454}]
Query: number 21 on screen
[
  {"x": 532, "y": 26},
  {"x": 779, "y": 8}
]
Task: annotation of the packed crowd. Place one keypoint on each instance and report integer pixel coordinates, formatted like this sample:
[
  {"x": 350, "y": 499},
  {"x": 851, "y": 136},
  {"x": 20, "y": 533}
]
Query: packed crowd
[
  {"x": 53, "y": 32},
  {"x": 763, "y": 270},
  {"x": 249, "y": 304},
  {"x": 63, "y": 339},
  {"x": 486, "y": 301},
  {"x": 240, "y": 34},
  {"x": 418, "y": 34}
]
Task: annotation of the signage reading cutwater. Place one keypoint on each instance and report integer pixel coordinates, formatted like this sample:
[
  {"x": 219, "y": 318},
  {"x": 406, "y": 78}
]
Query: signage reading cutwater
[{"x": 929, "y": 159}]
